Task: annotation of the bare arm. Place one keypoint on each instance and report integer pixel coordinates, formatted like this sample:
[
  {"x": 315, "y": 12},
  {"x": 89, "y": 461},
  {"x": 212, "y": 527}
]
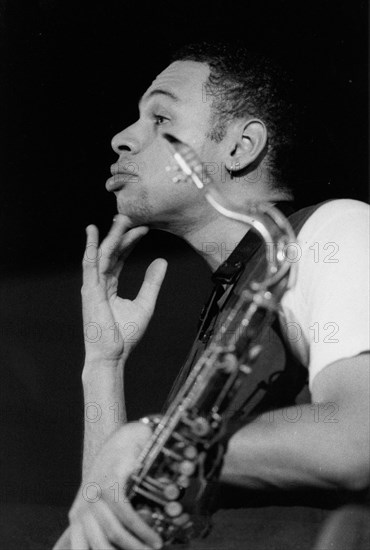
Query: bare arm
[
  {"x": 325, "y": 444},
  {"x": 107, "y": 318},
  {"x": 108, "y": 323},
  {"x": 104, "y": 407}
]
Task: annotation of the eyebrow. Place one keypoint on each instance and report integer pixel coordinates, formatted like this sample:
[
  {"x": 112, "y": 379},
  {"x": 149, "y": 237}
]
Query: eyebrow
[{"x": 159, "y": 91}]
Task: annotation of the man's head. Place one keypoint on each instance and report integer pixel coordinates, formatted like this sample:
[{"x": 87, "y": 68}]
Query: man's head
[
  {"x": 228, "y": 115},
  {"x": 244, "y": 85}
]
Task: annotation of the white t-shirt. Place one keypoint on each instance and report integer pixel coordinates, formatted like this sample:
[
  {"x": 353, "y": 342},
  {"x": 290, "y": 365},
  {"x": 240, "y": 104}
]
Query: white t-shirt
[{"x": 325, "y": 312}]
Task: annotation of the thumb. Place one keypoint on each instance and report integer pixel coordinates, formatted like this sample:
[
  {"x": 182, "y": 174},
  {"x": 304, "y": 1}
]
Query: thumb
[{"x": 152, "y": 283}]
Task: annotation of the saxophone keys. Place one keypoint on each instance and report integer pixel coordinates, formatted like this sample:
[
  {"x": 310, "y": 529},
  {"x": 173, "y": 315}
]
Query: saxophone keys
[
  {"x": 183, "y": 481},
  {"x": 200, "y": 426},
  {"x": 181, "y": 520},
  {"x": 190, "y": 452},
  {"x": 146, "y": 515},
  {"x": 229, "y": 362},
  {"x": 245, "y": 369},
  {"x": 170, "y": 453},
  {"x": 171, "y": 491},
  {"x": 173, "y": 509},
  {"x": 254, "y": 352},
  {"x": 187, "y": 468}
]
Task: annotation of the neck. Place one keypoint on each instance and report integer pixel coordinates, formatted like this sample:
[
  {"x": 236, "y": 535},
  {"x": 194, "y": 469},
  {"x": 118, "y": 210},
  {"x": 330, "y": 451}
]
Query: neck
[
  {"x": 216, "y": 240},
  {"x": 212, "y": 235},
  {"x": 218, "y": 237}
]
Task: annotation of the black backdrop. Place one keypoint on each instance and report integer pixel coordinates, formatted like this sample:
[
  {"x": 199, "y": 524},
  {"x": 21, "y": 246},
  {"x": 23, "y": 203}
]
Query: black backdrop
[{"x": 71, "y": 77}]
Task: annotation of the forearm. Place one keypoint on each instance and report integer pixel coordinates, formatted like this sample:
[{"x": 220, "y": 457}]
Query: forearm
[
  {"x": 104, "y": 410},
  {"x": 298, "y": 447}
]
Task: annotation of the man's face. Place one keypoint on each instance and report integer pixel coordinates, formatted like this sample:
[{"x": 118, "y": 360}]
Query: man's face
[{"x": 174, "y": 103}]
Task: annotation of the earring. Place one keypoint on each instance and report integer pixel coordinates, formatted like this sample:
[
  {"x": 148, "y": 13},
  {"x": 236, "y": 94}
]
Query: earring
[{"x": 234, "y": 168}]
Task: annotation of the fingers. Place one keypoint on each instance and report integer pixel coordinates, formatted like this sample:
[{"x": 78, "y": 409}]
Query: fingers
[
  {"x": 138, "y": 526},
  {"x": 121, "y": 537},
  {"x": 118, "y": 244},
  {"x": 108, "y": 258},
  {"x": 151, "y": 286},
  {"x": 96, "y": 532},
  {"x": 91, "y": 256},
  {"x": 99, "y": 529},
  {"x": 78, "y": 538}
]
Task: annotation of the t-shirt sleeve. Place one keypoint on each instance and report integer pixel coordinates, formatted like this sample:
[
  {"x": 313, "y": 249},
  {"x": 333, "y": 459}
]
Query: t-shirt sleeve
[{"x": 326, "y": 312}]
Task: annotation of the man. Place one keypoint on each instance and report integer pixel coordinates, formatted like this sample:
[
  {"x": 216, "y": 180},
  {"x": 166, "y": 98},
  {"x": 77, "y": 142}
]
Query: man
[{"x": 229, "y": 108}]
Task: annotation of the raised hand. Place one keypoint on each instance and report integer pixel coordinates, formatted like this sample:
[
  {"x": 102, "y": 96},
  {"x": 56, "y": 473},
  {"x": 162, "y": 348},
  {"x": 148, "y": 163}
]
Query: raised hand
[{"x": 114, "y": 325}]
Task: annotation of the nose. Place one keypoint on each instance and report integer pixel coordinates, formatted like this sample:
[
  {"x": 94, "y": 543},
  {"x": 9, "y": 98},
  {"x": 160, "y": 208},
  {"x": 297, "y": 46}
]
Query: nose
[{"x": 125, "y": 141}]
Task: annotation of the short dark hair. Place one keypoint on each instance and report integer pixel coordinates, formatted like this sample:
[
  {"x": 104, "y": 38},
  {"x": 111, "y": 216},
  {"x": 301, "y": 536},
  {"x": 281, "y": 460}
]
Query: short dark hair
[{"x": 243, "y": 83}]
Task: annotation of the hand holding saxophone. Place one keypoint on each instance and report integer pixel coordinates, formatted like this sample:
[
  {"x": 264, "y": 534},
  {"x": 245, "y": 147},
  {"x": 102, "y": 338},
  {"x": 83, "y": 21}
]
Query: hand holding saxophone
[{"x": 101, "y": 515}]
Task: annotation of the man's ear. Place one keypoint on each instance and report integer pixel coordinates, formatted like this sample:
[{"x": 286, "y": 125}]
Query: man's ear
[{"x": 248, "y": 142}]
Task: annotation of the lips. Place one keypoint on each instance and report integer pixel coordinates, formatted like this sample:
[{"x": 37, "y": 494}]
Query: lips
[{"x": 119, "y": 179}]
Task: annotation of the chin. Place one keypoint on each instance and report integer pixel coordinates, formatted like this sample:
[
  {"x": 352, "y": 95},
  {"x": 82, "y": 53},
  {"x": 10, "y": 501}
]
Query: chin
[{"x": 139, "y": 214}]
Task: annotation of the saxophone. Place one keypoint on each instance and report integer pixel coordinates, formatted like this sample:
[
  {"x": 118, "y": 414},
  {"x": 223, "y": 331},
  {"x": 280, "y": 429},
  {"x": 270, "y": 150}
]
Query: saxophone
[{"x": 184, "y": 453}]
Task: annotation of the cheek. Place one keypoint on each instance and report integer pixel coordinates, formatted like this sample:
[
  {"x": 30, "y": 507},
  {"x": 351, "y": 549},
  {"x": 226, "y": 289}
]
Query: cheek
[
  {"x": 163, "y": 175},
  {"x": 184, "y": 194},
  {"x": 164, "y": 180},
  {"x": 154, "y": 166}
]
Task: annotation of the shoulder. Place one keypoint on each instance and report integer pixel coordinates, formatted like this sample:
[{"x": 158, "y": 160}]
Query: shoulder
[
  {"x": 332, "y": 241},
  {"x": 340, "y": 226},
  {"x": 328, "y": 297},
  {"x": 342, "y": 215}
]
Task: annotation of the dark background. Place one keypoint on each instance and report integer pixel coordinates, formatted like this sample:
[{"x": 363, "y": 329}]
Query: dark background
[{"x": 71, "y": 75}]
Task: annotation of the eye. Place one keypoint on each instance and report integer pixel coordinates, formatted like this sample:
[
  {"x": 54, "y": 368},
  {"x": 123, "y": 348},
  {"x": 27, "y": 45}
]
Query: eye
[{"x": 160, "y": 120}]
